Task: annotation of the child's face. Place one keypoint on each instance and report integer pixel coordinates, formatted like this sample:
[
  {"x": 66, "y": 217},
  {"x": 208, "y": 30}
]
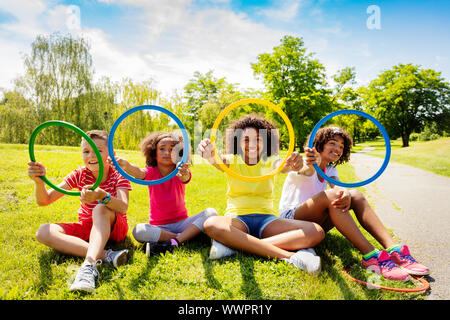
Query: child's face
[
  {"x": 165, "y": 151},
  {"x": 89, "y": 157},
  {"x": 252, "y": 144},
  {"x": 333, "y": 149}
]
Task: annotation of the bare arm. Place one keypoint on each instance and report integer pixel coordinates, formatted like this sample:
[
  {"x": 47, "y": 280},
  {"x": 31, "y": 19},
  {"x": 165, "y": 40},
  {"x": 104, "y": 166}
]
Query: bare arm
[
  {"x": 206, "y": 151},
  {"x": 43, "y": 196},
  {"x": 312, "y": 157},
  {"x": 130, "y": 168},
  {"x": 293, "y": 163}
]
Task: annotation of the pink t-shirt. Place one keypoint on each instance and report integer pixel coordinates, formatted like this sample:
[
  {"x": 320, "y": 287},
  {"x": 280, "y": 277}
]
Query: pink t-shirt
[{"x": 166, "y": 199}]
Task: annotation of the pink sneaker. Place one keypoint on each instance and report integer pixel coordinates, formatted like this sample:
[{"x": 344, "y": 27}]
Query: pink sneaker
[
  {"x": 401, "y": 257},
  {"x": 383, "y": 265}
]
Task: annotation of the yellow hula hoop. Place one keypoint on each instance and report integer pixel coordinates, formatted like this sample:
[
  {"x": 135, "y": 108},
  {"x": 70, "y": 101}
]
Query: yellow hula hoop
[{"x": 237, "y": 104}]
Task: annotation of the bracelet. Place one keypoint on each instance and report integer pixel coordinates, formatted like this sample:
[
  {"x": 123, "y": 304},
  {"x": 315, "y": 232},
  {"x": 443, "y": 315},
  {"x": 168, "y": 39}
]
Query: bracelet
[{"x": 106, "y": 199}]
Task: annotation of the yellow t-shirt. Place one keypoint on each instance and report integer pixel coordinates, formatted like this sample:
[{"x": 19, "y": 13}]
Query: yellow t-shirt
[{"x": 245, "y": 197}]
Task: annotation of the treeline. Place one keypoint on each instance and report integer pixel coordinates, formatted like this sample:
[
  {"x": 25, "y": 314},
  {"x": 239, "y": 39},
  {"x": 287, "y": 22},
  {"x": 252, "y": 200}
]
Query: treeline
[{"x": 58, "y": 84}]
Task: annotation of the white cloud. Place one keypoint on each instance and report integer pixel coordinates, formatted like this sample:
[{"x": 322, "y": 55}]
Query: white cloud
[
  {"x": 285, "y": 11},
  {"x": 173, "y": 46},
  {"x": 175, "y": 40}
]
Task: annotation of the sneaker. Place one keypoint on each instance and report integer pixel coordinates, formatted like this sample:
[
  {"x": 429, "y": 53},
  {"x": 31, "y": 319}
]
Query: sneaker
[
  {"x": 401, "y": 257},
  {"x": 383, "y": 265},
  {"x": 116, "y": 258},
  {"x": 218, "y": 251},
  {"x": 86, "y": 278},
  {"x": 307, "y": 260},
  {"x": 152, "y": 248}
]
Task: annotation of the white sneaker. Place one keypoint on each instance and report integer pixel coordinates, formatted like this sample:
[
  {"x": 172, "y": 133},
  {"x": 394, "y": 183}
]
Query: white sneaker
[
  {"x": 218, "y": 251},
  {"x": 86, "y": 278},
  {"x": 307, "y": 260}
]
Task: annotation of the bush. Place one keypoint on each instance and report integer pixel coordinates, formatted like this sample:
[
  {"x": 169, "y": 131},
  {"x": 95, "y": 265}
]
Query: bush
[
  {"x": 434, "y": 136},
  {"x": 414, "y": 136}
]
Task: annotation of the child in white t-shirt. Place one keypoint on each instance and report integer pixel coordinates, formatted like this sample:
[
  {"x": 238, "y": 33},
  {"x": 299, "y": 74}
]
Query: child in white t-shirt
[{"x": 305, "y": 197}]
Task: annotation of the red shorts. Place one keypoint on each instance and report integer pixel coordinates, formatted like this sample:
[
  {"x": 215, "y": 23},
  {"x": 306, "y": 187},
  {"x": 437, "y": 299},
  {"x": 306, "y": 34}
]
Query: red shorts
[{"x": 83, "y": 228}]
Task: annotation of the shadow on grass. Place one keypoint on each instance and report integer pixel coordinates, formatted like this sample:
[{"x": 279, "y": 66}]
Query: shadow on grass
[
  {"x": 249, "y": 287},
  {"x": 51, "y": 256},
  {"x": 336, "y": 245}
]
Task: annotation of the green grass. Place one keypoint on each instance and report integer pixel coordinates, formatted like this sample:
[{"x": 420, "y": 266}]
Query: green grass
[
  {"x": 428, "y": 155},
  {"x": 30, "y": 270}
]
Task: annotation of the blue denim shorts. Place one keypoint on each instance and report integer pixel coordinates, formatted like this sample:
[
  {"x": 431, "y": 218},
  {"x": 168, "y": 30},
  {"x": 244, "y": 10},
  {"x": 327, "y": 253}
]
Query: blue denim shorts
[{"x": 256, "y": 222}]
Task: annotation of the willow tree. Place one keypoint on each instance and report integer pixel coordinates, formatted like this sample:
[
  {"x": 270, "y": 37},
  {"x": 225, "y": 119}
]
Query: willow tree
[{"x": 58, "y": 70}]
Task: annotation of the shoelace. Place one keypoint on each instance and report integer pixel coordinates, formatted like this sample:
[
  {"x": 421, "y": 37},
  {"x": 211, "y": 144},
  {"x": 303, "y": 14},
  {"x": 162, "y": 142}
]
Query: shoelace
[
  {"x": 387, "y": 263},
  {"x": 86, "y": 271},
  {"x": 409, "y": 258}
]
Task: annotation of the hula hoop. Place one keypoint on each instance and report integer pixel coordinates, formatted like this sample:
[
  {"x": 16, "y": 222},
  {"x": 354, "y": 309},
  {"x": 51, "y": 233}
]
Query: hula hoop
[
  {"x": 111, "y": 148},
  {"x": 225, "y": 112},
  {"x": 80, "y": 132},
  {"x": 424, "y": 287},
  {"x": 387, "y": 142}
]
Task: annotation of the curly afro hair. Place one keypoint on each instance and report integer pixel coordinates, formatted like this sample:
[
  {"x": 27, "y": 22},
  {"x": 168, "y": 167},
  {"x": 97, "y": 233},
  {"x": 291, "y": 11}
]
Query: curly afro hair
[
  {"x": 265, "y": 128},
  {"x": 149, "y": 143},
  {"x": 325, "y": 134}
]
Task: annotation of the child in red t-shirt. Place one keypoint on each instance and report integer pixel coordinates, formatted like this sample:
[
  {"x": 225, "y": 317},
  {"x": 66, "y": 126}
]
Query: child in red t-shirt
[{"x": 101, "y": 216}]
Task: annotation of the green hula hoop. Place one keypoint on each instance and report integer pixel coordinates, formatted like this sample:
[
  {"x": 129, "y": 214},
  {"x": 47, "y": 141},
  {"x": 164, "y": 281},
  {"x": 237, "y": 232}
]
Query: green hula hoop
[{"x": 80, "y": 132}]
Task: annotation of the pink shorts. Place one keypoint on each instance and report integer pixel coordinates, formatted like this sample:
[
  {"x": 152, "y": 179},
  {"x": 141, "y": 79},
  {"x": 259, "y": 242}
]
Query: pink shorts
[{"x": 83, "y": 228}]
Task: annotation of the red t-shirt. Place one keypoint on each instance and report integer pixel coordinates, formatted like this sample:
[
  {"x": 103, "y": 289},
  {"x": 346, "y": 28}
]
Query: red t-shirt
[
  {"x": 83, "y": 177},
  {"x": 166, "y": 199}
]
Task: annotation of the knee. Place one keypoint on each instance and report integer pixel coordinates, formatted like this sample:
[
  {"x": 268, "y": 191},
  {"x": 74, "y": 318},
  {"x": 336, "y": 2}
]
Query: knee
[
  {"x": 316, "y": 235},
  {"x": 144, "y": 232},
  {"x": 212, "y": 227},
  {"x": 331, "y": 194},
  {"x": 102, "y": 210},
  {"x": 43, "y": 233},
  {"x": 210, "y": 212},
  {"x": 356, "y": 194}
]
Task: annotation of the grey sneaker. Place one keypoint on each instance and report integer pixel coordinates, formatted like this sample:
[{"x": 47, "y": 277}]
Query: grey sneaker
[
  {"x": 307, "y": 260},
  {"x": 116, "y": 258},
  {"x": 86, "y": 278},
  {"x": 218, "y": 251}
]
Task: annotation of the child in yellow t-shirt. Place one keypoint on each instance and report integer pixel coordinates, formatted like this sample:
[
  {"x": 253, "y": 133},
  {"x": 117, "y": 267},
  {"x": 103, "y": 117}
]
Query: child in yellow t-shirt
[{"x": 250, "y": 222}]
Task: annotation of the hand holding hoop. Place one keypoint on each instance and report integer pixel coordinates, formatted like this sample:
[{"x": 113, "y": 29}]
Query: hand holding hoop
[{"x": 80, "y": 132}]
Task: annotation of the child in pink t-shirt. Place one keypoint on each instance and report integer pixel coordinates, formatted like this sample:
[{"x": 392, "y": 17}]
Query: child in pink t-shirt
[{"x": 169, "y": 224}]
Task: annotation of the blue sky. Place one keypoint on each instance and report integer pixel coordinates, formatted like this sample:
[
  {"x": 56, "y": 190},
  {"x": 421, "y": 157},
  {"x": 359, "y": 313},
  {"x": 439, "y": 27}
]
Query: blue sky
[{"x": 168, "y": 40}]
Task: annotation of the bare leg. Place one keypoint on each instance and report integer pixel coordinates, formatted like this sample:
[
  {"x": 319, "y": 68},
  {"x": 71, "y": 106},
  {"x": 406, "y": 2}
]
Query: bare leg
[
  {"x": 166, "y": 235},
  {"x": 233, "y": 233},
  {"x": 319, "y": 209},
  {"x": 369, "y": 220},
  {"x": 188, "y": 233},
  {"x": 293, "y": 234},
  {"x": 102, "y": 218},
  {"x": 53, "y": 235}
]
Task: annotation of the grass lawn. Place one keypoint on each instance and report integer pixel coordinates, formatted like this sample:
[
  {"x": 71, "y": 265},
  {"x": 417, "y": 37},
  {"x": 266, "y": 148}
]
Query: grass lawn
[
  {"x": 30, "y": 270},
  {"x": 432, "y": 155}
]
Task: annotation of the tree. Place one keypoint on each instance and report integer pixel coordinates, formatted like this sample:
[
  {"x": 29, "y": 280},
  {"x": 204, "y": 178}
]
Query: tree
[
  {"x": 296, "y": 82},
  {"x": 202, "y": 89},
  {"x": 18, "y": 118},
  {"x": 57, "y": 71},
  {"x": 406, "y": 98}
]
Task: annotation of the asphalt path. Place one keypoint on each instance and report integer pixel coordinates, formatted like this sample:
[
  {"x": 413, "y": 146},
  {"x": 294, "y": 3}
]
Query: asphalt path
[{"x": 415, "y": 205}]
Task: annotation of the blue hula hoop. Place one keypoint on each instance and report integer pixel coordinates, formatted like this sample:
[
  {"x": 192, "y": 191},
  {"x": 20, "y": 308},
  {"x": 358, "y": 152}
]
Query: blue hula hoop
[
  {"x": 111, "y": 148},
  {"x": 387, "y": 142}
]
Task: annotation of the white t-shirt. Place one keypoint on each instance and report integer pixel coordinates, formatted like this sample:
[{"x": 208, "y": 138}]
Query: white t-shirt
[{"x": 298, "y": 188}]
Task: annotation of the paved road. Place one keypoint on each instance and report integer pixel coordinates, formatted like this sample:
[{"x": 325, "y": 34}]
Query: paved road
[{"x": 415, "y": 205}]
